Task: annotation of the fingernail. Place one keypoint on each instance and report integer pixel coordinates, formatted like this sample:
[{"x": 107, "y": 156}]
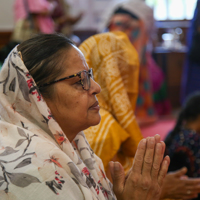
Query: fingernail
[
  {"x": 111, "y": 163},
  {"x": 157, "y": 135},
  {"x": 144, "y": 141},
  {"x": 116, "y": 166},
  {"x": 165, "y": 162},
  {"x": 151, "y": 140}
]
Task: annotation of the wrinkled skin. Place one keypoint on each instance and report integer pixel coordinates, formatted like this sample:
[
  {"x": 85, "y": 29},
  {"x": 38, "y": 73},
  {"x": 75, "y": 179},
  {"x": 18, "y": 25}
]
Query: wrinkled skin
[
  {"x": 176, "y": 185},
  {"x": 144, "y": 181}
]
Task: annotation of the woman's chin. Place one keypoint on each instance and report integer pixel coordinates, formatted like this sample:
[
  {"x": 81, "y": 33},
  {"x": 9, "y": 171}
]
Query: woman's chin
[{"x": 95, "y": 120}]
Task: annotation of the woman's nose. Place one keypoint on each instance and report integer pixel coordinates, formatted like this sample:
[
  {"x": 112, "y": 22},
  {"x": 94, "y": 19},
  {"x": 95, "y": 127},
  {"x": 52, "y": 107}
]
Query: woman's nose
[{"x": 95, "y": 88}]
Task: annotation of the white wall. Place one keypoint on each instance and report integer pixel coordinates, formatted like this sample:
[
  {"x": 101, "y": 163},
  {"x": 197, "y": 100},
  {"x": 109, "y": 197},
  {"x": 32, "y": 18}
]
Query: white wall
[{"x": 6, "y": 15}]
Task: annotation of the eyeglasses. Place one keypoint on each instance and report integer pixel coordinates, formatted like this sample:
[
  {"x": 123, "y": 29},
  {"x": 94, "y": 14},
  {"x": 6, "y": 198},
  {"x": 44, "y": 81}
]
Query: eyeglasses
[{"x": 84, "y": 79}]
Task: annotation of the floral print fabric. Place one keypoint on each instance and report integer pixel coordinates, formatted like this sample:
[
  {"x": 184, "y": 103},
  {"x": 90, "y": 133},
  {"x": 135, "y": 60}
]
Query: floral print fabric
[
  {"x": 37, "y": 161},
  {"x": 184, "y": 151}
]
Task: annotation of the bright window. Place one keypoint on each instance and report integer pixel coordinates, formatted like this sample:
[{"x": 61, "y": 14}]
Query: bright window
[{"x": 172, "y": 9}]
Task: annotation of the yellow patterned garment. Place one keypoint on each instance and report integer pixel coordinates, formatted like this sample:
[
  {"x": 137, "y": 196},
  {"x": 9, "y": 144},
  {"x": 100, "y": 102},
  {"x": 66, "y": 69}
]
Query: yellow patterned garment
[{"x": 115, "y": 65}]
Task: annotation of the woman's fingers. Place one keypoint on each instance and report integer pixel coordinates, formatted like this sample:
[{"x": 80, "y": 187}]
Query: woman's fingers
[
  {"x": 158, "y": 157},
  {"x": 154, "y": 165},
  {"x": 163, "y": 170},
  {"x": 193, "y": 182},
  {"x": 148, "y": 169},
  {"x": 194, "y": 196},
  {"x": 118, "y": 177},
  {"x": 157, "y": 138},
  {"x": 192, "y": 186},
  {"x": 139, "y": 157},
  {"x": 149, "y": 156},
  {"x": 163, "y": 147}
]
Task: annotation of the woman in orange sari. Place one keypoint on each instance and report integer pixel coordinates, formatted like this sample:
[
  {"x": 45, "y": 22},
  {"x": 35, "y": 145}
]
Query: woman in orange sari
[
  {"x": 115, "y": 65},
  {"x": 135, "y": 18}
]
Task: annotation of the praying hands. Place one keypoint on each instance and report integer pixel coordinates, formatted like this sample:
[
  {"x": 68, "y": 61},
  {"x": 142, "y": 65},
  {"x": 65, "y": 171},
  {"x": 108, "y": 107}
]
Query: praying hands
[{"x": 145, "y": 179}]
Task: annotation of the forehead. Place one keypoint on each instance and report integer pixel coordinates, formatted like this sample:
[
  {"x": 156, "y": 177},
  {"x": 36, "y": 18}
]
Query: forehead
[{"x": 74, "y": 61}]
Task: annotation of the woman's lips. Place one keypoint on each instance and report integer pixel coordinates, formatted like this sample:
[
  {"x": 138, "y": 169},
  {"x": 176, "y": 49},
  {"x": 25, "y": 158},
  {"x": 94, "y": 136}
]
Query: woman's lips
[{"x": 95, "y": 106}]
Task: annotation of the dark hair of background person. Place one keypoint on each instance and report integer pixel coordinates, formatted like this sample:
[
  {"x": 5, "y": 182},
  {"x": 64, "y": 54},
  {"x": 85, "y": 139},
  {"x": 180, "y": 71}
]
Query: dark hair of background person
[
  {"x": 121, "y": 10},
  {"x": 190, "y": 112},
  {"x": 44, "y": 56}
]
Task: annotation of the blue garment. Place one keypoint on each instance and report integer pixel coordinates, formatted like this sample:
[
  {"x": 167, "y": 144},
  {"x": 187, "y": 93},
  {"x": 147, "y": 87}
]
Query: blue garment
[{"x": 191, "y": 70}]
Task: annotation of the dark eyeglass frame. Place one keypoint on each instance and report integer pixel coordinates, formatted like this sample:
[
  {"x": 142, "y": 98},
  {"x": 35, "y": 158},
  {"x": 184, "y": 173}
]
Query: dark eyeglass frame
[{"x": 89, "y": 74}]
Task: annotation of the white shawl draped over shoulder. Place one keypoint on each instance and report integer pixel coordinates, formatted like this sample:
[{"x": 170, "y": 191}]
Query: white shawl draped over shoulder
[{"x": 37, "y": 161}]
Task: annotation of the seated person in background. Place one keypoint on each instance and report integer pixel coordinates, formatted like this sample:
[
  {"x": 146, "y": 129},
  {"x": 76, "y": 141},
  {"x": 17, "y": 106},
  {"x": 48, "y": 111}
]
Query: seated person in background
[
  {"x": 48, "y": 97},
  {"x": 182, "y": 143},
  {"x": 115, "y": 66},
  {"x": 38, "y": 14},
  {"x": 31, "y": 17},
  {"x": 135, "y": 18}
]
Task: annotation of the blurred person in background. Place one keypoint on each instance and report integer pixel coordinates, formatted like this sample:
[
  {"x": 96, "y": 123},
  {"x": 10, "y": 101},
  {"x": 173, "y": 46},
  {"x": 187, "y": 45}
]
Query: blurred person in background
[
  {"x": 136, "y": 19},
  {"x": 40, "y": 16},
  {"x": 31, "y": 17},
  {"x": 38, "y": 13},
  {"x": 191, "y": 69},
  {"x": 46, "y": 16},
  {"x": 182, "y": 143}
]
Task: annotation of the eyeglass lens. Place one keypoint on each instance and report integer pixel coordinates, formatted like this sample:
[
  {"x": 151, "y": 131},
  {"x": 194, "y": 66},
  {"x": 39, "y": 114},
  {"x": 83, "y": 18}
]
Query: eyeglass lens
[{"x": 85, "y": 78}]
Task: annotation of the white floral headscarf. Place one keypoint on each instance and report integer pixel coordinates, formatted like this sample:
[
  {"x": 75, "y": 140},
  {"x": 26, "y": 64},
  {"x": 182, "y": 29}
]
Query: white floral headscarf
[{"x": 37, "y": 161}]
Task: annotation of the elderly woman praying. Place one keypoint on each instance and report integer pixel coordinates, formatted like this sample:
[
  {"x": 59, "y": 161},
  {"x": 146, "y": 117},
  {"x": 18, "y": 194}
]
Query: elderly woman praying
[{"x": 47, "y": 98}]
